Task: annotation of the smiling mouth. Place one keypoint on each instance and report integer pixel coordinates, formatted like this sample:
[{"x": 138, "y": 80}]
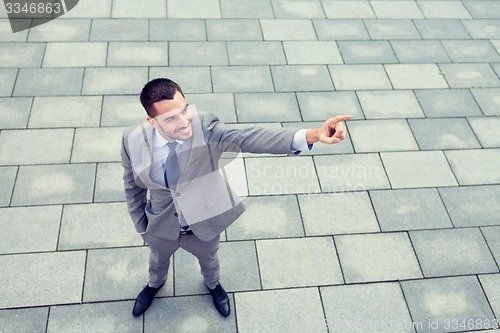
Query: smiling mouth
[{"x": 184, "y": 130}]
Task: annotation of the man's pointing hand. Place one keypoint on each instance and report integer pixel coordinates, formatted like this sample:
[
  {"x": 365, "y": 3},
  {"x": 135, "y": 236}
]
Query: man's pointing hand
[{"x": 332, "y": 131}]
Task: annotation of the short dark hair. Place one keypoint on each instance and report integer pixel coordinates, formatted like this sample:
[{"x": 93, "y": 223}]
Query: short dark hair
[{"x": 158, "y": 90}]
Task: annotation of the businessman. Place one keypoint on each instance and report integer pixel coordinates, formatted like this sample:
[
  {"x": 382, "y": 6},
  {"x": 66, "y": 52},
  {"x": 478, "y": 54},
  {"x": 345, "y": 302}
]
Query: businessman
[{"x": 174, "y": 156}]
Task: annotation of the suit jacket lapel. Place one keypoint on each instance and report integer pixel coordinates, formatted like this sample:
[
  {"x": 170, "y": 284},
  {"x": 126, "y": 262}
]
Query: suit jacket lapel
[
  {"x": 192, "y": 150},
  {"x": 146, "y": 161}
]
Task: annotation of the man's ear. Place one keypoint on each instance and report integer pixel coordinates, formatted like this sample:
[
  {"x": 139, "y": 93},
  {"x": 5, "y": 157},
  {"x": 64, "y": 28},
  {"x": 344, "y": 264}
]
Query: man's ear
[{"x": 152, "y": 121}]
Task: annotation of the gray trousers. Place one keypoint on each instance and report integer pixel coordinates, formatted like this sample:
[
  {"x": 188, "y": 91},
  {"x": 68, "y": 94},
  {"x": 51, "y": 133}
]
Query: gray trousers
[{"x": 162, "y": 249}]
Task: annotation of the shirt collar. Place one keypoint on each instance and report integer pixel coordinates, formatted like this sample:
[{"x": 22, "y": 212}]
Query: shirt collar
[{"x": 160, "y": 141}]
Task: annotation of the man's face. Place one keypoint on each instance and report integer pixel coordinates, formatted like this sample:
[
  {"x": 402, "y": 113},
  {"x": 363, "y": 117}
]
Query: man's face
[{"x": 173, "y": 118}]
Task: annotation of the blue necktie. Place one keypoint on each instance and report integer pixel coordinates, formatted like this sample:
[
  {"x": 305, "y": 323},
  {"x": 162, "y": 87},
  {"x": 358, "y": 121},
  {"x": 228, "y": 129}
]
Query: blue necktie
[{"x": 172, "y": 171}]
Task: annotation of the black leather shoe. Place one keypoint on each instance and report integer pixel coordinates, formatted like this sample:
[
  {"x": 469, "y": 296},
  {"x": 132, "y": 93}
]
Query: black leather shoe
[
  {"x": 144, "y": 300},
  {"x": 221, "y": 300}
]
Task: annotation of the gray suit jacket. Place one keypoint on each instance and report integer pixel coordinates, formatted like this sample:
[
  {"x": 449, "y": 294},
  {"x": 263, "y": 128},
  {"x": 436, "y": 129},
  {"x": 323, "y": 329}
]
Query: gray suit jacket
[{"x": 202, "y": 194}]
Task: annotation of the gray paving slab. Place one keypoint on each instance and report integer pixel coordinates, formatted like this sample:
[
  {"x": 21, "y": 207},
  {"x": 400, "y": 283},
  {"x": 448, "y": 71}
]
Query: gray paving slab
[
  {"x": 242, "y": 79},
  {"x": 420, "y": 51},
  {"x": 472, "y": 205},
  {"x": 69, "y": 111},
  {"x": 346, "y": 29},
  {"x": 469, "y": 172},
  {"x": 418, "y": 169},
  {"x": 496, "y": 66},
  {"x": 482, "y": 29},
  {"x": 87, "y": 9},
  {"x": 281, "y": 311},
  {"x": 377, "y": 257},
  {"x": 7, "y": 179},
  {"x": 381, "y": 135},
  {"x": 443, "y": 133},
  {"x": 208, "y": 9},
  {"x": 390, "y": 104},
  {"x": 128, "y": 9},
  {"x": 348, "y": 9},
  {"x": 7, "y": 80},
  {"x": 312, "y": 52},
  {"x": 185, "y": 314},
  {"x": 78, "y": 54},
  {"x": 374, "y": 307},
  {"x": 281, "y": 175},
  {"x": 352, "y": 172},
  {"x": 223, "y": 105},
  {"x": 52, "y": 146},
  {"x": 119, "y": 30},
  {"x": 491, "y": 234},
  {"x": 20, "y": 55},
  {"x": 30, "y": 229},
  {"x": 119, "y": 274},
  {"x": 359, "y": 77},
  {"x": 295, "y": 29},
  {"x": 97, "y": 225},
  {"x": 490, "y": 285},
  {"x": 396, "y": 9},
  {"x": 239, "y": 30},
  {"x": 487, "y": 100},
  {"x": 297, "y": 9},
  {"x": 254, "y": 9},
  {"x": 18, "y": 289},
  {"x": 185, "y": 30},
  {"x": 444, "y": 10},
  {"x": 448, "y": 103},
  {"x": 390, "y": 29},
  {"x": 444, "y": 303},
  {"x": 24, "y": 320},
  {"x": 410, "y": 209},
  {"x": 318, "y": 106},
  {"x": 54, "y": 184},
  {"x": 470, "y": 75},
  {"x": 474, "y": 51},
  {"x": 367, "y": 52},
  {"x": 256, "y": 53},
  {"x": 111, "y": 81},
  {"x": 109, "y": 183},
  {"x": 301, "y": 78},
  {"x": 451, "y": 252},
  {"x": 61, "y": 30},
  {"x": 441, "y": 29},
  {"x": 337, "y": 213},
  {"x": 49, "y": 82},
  {"x": 257, "y": 224},
  {"x": 300, "y": 262},
  {"x": 88, "y": 145},
  {"x": 122, "y": 110},
  {"x": 15, "y": 112},
  {"x": 137, "y": 54},
  {"x": 239, "y": 270},
  {"x": 483, "y": 9},
  {"x": 197, "y": 53},
  {"x": 93, "y": 317},
  {"x": 416, "y": 76},
  {"x": 267, "y": 107},
  {"x": 6, "y": 34}
]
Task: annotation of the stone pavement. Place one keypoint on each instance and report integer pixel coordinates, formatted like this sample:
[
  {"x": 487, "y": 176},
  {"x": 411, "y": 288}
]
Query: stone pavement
[{"x": 397, "y": 229}]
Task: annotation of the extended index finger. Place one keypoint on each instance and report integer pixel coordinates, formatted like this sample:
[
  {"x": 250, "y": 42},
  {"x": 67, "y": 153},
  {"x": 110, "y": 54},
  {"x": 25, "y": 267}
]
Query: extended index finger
[{"x": 338, "y": 119}]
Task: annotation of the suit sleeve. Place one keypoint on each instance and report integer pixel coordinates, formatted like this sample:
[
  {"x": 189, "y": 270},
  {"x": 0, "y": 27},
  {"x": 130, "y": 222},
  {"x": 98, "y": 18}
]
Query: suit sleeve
[
  {"x": 134, "y": 194},
  {"x": 249, "y": 140}
]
